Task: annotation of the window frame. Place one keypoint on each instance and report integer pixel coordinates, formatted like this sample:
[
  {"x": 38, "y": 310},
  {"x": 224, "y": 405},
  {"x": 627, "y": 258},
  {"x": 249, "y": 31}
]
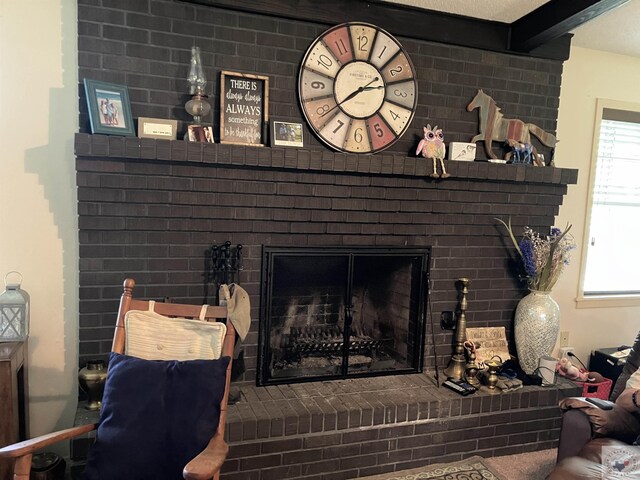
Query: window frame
[{"x": 602, "y": 300}]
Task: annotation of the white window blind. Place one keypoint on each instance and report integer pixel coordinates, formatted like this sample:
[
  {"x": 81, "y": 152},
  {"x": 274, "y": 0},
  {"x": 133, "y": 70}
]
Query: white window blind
[{"x": 613, "y": 253}]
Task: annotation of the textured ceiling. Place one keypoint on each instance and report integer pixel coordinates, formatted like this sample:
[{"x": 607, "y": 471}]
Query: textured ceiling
[{"x": 616, "y": 31}]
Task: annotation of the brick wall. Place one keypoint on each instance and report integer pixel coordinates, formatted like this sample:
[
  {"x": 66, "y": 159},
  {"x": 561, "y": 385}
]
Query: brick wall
[
  {"x": 150, "y": 209},
  {"x": 146, "y": 45}
]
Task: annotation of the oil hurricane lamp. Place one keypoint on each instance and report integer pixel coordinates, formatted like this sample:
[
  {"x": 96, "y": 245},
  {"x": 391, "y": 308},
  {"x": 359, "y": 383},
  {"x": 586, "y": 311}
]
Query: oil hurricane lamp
[{"x": 198, "y": 106}]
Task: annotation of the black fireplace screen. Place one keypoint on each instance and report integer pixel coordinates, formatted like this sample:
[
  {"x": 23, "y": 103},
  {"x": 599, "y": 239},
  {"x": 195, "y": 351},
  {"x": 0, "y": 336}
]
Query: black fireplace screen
[{"x": 341, "y": 312}]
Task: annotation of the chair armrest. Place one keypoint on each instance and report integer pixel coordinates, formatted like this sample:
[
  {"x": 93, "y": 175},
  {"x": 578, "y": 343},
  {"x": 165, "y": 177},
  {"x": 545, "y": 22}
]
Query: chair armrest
[
  {"x": 209, "y": 461},
  {"x": 616, "y": 423},
  {"x": 33, "y": 444},
  {"x": 575, "y": 433}
]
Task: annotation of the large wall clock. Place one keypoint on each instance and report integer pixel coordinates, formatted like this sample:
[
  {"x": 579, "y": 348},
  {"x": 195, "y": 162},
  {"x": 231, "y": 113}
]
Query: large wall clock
[{"x": 357, "y": 88}]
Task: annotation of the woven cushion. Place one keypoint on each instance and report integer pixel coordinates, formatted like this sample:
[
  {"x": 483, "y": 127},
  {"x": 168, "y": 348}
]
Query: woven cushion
[
  {"x": 156, "y": 416},
  {"x": 152, "y": 336}
]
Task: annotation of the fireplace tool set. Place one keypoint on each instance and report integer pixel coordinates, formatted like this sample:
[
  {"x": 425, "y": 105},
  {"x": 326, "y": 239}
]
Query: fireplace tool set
[{"x": 225, "y": 263}]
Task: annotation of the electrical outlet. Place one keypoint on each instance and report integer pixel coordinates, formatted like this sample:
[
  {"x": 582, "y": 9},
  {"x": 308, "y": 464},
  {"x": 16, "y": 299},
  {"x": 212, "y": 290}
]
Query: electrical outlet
[
  {"x": 564, "y": 339},
  {"x": 564, "y": 351},
  {"x": 447, "y": 322}
]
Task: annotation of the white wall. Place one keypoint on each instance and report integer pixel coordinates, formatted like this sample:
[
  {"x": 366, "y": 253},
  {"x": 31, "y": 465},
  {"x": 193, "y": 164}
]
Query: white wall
[
  {"x": 38, "y": 220},
  {"x": 589, "y": 75}
]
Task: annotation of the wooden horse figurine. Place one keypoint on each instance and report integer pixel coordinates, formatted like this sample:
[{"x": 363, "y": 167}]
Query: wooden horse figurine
[{"x": 493, "y": 126}]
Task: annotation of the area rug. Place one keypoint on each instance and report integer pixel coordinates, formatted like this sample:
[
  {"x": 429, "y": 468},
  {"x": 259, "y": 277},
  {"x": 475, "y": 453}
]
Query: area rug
[{"x": 473, "y": 468}]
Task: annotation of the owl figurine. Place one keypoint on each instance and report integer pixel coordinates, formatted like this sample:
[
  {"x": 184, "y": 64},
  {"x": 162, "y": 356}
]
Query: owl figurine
[{"x": 432, "y": 146}]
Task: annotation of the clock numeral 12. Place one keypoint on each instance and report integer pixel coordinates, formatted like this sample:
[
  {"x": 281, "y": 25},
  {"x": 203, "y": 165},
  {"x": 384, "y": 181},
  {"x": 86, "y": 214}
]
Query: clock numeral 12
[{"x": 363, "y": 41}]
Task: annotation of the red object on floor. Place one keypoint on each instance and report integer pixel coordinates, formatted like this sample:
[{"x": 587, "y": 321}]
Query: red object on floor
[{"x": 599, "y": 390}]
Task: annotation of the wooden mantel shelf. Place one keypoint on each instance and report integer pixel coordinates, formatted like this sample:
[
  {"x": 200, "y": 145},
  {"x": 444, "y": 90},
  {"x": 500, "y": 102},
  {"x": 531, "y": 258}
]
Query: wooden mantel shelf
[{"x": 237, "y": 156}]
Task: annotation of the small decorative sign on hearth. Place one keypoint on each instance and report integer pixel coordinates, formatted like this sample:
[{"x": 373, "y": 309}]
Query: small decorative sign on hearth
[
  {"x": 244, "y": 105},
  {"x": 492, "y": 341}
]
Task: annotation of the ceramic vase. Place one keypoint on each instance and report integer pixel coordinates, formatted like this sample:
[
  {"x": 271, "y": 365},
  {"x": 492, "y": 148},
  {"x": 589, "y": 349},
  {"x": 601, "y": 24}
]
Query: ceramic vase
[
  {"x": 92, "y": 378},
  {"x": 536, "y": 328}
]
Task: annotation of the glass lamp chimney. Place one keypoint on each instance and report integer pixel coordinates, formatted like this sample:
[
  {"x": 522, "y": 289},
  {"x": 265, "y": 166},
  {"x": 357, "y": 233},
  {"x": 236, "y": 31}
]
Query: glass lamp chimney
[
  {"x": 196, "y": 78},
  {"x": 198, "y": 106}
]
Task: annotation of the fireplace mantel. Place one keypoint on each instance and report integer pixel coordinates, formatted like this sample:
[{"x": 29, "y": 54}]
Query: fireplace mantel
[{"x": 216, "y": 154}]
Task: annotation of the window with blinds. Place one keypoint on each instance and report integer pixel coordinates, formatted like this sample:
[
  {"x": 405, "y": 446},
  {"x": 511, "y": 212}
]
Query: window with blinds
[{"x": 613, "y": 260}]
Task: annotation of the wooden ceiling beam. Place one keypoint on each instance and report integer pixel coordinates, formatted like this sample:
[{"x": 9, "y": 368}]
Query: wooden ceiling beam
[{"x": 555, "y": 19}]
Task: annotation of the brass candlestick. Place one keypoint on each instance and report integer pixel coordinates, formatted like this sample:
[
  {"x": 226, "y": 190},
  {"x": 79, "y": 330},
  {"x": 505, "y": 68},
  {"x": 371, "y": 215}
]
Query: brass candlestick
[
  {"x": 457, "y": 365},
  {"x": 493, "y": 365},
  {"x": 471, "y": 368}
]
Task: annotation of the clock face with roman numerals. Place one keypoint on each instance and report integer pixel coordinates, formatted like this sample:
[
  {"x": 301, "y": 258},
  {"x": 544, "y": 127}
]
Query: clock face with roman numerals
[{"x": 357, "y": 88}]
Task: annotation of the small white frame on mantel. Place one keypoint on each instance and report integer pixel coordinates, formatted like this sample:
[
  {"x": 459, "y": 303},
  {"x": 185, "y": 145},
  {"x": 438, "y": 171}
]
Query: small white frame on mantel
[{"x": 158, "y": 128}]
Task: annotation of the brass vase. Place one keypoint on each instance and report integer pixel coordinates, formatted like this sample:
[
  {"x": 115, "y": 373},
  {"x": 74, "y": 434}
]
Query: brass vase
[{"x": 92, "y": 379}]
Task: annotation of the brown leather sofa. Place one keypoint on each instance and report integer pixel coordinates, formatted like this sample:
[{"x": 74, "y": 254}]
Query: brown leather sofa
[{"x": 587, "y": 428}]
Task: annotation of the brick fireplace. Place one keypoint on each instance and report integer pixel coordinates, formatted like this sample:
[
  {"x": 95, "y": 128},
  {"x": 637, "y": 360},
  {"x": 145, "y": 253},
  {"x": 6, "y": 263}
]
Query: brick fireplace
[{"x": 151, "y": 209}]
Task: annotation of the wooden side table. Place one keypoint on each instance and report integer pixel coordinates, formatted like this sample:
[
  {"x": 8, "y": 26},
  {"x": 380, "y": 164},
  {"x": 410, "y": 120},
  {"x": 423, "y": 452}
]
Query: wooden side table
[{"x": 14, "y": 412}]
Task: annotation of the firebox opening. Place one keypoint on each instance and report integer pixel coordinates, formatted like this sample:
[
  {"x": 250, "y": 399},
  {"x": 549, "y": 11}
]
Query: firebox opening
[{"x": 339, "y": 312}]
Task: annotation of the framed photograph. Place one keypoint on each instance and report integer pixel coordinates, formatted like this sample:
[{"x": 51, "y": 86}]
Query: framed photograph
[
  {"x": 286, "y": 134},
  {"x": 109, "y": 108},
  {"x": 244, "y": 107},
  {"x": 200, "y": 133},
  {"x": 157, "y": 128}
]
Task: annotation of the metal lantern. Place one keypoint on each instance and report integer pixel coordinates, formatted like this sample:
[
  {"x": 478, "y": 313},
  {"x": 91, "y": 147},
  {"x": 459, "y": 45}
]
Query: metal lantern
[{"x": 14, "y": 311}]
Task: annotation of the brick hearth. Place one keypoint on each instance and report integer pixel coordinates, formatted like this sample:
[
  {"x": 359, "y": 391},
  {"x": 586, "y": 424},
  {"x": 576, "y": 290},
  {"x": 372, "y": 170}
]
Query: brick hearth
[
  {"x": 352, "y": 428},
  {"x": 347, "y": 429}
]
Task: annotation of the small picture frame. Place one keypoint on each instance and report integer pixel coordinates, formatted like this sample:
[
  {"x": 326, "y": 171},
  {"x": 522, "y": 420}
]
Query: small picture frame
[
  {"x": 244, "y": 108},
  {"x": 109, "y": 108},
  {"x": 286, "y": 134},
  {"x": 200, "y": 133},
  {"x": 158, "y": 128}
]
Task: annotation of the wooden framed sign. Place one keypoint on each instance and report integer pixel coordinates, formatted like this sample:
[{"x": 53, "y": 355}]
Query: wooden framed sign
[{"x": 244, "y": 105}]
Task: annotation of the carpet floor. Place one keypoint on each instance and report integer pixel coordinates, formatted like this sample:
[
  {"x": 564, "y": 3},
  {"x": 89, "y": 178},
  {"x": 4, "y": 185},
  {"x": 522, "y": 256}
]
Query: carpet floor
[
  {"x": 523, "y": 466},
  {"x": 470, "y": 468}
]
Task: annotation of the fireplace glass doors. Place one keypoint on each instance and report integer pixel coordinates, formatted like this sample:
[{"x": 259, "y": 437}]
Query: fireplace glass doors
[{"x": 341, "y": 312}]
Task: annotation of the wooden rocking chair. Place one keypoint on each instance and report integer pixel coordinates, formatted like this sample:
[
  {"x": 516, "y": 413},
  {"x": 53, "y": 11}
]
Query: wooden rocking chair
[{"x": 207, "y": 463}]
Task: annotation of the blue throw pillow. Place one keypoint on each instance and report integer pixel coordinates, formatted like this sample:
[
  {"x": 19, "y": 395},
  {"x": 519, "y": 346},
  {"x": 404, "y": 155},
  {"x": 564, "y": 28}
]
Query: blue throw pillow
[{"x": 156, "y": 416}]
